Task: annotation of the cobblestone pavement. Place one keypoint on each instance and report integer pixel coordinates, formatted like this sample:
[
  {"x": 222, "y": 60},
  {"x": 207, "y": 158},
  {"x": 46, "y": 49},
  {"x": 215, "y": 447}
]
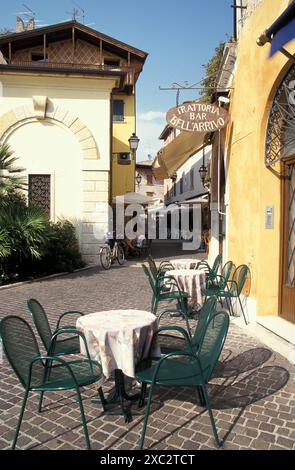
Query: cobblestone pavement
[{"x": 253, "y": 392}]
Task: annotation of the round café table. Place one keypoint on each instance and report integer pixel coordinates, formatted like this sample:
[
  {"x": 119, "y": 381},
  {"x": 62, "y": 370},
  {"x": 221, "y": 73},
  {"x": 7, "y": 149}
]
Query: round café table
[
  {"x": 119, "y": 340},
  {"x": 184, "y": 263},
  {"x": 192, "y": 281}
]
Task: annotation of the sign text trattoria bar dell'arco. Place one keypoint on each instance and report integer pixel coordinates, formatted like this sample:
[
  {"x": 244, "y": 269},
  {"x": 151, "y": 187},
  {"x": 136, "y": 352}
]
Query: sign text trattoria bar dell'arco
[{"x": 194, "y": 116}]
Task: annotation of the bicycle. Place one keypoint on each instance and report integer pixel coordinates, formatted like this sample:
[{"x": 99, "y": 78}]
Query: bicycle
[{"x": 109, "y": 254}]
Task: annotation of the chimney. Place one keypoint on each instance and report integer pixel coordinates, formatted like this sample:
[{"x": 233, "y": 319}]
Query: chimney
[
  {"x": 30, "y": 24},
  {"x": 20, "y": 26}
]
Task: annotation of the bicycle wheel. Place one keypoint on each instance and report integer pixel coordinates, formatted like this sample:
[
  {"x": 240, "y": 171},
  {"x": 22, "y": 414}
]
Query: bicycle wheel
[
  {"x": 105, "y": 257},
  {"x": 120, "y": 255}
]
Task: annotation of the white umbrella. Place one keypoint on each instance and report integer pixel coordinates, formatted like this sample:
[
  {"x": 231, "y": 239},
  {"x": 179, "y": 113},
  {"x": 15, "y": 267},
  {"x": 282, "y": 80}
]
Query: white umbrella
[{"x": 134, "y": 198}]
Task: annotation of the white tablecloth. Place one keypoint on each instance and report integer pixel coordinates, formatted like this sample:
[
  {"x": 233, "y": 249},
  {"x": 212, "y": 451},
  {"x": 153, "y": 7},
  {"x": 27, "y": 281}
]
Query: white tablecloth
[
  {"x": 119, "y": 339},
  {"x": 192, "y": 281},
  {"x": 184, "y": 263}
]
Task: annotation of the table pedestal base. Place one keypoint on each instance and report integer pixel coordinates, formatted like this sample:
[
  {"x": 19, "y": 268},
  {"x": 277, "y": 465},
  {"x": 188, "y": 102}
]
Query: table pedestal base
[{"x": 116, "y": 400}]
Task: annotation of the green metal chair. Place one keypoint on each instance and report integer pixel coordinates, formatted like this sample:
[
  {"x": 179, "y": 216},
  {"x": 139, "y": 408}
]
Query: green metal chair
[
  {"x": 212, "y": 272},
  {"x": 48, "y": 373},
  {"x": 62, "y": 346},
  {"x": 192, "y": 368},
  {"x": 234, "y": 287},
  {"x": 165, "y": 289},
  {"x": 152, "y": 266},
  {"x": 194, "y": 341},
  {"x": 158, "y": 272},
  {"x": 220, "y": 281},
  {"x": 190, "y": 341}
]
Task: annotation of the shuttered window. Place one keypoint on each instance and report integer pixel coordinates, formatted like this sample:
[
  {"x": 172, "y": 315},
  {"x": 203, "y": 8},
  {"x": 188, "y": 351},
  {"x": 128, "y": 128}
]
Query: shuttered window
[{"x": 118, "y": 110}]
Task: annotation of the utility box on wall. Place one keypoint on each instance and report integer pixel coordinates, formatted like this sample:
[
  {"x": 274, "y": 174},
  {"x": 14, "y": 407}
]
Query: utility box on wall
[{"x": 269, "y": 217}]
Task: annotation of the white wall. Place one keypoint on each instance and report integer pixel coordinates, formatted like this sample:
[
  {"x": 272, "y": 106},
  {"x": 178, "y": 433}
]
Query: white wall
[
  {"x": 79, "y": 184},
  {"x": 52, "y": 149},
  {"x": 194, "y": 162}
]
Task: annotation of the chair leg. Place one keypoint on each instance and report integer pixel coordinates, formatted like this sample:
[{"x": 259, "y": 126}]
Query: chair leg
[
  {"x": 208, "y": 405},
  {"x": 155, "y": 306},
  {"x": 147, "y": 412},
  {"x": 228, "y": 305},
  {"x": 83, "y": 419},
  {"x": 231, "y": 306},
  {"x": 40, "y": 402},
  {"x": 20, "y": 419},
  {"x": 142, "y": 395},
  {"x": 102, "y": 398},
  {"x": 243, "y": 311}
]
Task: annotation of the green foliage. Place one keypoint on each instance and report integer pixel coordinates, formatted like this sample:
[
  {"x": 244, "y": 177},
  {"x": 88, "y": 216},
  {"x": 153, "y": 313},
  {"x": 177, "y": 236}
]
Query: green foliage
[
  {"x": 29, "y": 244},
  {"x": 212, "y": 69},
  {"x": 10, "y": 178},
  {"x": 23, "y": 237},
  {"x": 62, "y": 250}
]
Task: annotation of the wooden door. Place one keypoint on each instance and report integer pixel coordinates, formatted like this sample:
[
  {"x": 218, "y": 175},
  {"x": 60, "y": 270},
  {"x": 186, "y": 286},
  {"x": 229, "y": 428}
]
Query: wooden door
[{"x": 287, "y": 310}]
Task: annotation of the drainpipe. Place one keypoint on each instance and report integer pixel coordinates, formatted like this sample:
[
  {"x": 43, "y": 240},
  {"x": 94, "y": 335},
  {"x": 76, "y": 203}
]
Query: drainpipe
[{"x": 218, "y": 176}]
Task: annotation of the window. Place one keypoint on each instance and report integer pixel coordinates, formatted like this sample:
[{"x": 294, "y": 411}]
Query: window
[
  {"x": 111, "y": 62},
  {"x": 150, "y": 194},
  {"x": 191, "y": 180},
  {"x": 181, "y": 185},
  {"x": 149, "y": 179},
  {"x": 118, "y": 110},
  {"x": 174, "y": 189},
  {"x": 39, "y": 192},
  {"x": 39, "y": 58}
]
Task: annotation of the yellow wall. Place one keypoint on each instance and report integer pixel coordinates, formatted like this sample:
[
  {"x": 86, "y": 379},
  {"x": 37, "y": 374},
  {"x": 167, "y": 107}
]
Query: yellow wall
[
  {"x": 251, "y": 185},
  {"x": 123, "y": 176}
]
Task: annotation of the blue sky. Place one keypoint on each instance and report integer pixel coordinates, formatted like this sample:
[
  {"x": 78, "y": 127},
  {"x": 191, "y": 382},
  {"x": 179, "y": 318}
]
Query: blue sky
[{"x": 179, "y": 37}]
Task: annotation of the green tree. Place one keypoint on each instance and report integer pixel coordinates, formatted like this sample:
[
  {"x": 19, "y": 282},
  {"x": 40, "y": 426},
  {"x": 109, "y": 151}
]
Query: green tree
[
  {"x": 10, "y": 175},
  {"x": 211, "y": 69}
]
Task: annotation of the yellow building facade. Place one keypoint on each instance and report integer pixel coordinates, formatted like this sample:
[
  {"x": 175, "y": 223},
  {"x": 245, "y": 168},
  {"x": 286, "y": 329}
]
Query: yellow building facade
[
  {"x": 254, "y": 190},
  {"x": 123, "y": 172}
]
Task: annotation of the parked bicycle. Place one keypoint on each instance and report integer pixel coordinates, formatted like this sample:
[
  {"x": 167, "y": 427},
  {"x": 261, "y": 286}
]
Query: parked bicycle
[{"x": 110, "y": 252}]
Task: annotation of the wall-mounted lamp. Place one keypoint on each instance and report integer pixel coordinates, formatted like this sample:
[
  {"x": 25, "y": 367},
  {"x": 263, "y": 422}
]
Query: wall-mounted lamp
[{"x": 203, "y": 170}]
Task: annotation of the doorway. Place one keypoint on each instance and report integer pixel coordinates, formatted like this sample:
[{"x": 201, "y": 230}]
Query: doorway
[{"x": 287, "y": 310}]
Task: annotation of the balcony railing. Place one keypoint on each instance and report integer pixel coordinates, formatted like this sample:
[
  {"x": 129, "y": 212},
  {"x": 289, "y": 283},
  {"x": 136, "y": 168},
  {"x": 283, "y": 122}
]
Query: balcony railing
[{"x": 66, "y": 66}]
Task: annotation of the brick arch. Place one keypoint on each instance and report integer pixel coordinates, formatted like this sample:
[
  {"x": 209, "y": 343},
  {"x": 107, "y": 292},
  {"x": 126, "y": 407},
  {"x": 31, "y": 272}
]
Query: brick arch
[{"x": 41, "y": 110}]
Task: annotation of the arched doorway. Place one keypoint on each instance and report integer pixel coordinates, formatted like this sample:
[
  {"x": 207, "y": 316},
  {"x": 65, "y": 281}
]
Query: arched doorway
[
  {"x": 52, "y": 160},
  {"x": 280, "y": 151}
]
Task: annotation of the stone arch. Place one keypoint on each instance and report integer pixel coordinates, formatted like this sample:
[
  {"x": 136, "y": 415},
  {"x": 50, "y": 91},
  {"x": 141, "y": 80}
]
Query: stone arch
[{"x": 41, "y": 109}]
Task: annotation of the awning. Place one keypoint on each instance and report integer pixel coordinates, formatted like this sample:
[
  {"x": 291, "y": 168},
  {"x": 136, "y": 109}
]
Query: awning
[
  {"x": 281, "y": 31},
  {"x": 159, "y": 169},
  {"x": 177, "y": 153},
  {"x": 197, "y": 200},
  {"x": 135, "y": 198}
]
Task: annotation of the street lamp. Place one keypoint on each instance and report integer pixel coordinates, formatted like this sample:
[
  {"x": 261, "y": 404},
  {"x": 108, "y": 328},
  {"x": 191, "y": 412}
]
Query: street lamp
[
  {"x": 133, "y": 143},
  {"x": 203, "y": 170}
]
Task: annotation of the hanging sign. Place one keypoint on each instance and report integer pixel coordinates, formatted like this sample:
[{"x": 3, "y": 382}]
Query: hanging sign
[{"x": 193, "y": 116}]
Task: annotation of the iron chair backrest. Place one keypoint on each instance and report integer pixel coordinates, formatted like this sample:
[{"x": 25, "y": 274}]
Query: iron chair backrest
[
  {"x": 212, "y": 343},
  {"x": 20, "y": 346},
  {"x": 41, "y": 322},
  {"x": 239, "y": 277},
  {"x": 206, "y": 313},
  {"x": 150, "y": 278},
  {"x": 152, "y": 266},
  {"x": 214, "y": 270},
  {"x": 227, "y": 271}
]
